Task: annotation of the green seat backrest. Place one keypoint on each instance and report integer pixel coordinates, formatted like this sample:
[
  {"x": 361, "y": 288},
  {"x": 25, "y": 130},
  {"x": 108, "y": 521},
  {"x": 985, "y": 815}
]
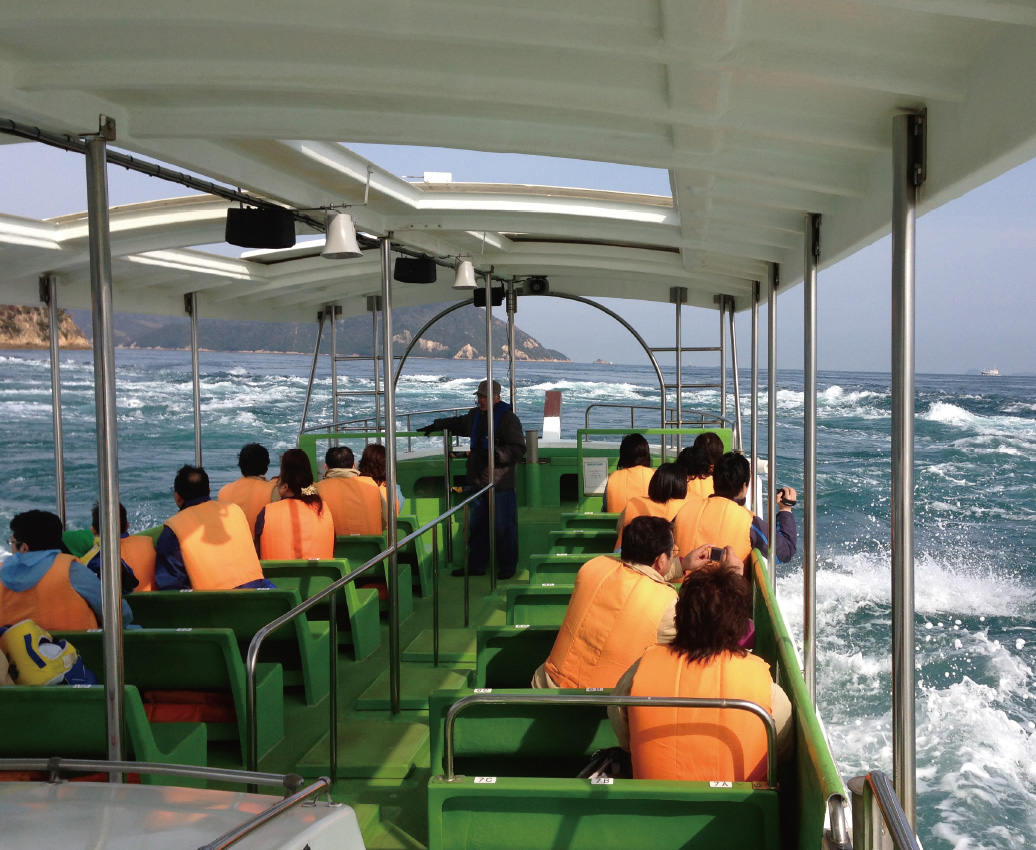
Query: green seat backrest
[
  {"x": 557, "y": 568},
  {"x": 589, "y": 520},
  {"x": 537, "y": 605},
  {"x": 360, "y": 548},
  {"x": 507, "y": 656},
  {"x": 583, "y": 541}
]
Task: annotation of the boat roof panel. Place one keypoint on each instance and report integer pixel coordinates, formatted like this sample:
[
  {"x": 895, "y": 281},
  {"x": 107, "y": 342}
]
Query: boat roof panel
[{"x": 762, "y": 111}]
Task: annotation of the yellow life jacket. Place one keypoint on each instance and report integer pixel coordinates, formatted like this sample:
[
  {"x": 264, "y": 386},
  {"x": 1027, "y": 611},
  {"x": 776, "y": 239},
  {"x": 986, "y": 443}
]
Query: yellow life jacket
[
  {"x": 715, "y": 522},
  {"x": 249, "y": 494},
  {"x": 624, "y": 484},
  {"x": 35, "y": 657},
  {"x": 138, "y": 551},
  {"x": 52, "y": 604},
  {"x": 612, "y": 618},
  {"x": 355, "y": 504},
  {"x": 292, "y": 531},
  {"x": 700, "y": 487},
  {"x": 643, "y": 506},
  {"x": 215, "y": 545},
  {"x": 699, "y": 744}
]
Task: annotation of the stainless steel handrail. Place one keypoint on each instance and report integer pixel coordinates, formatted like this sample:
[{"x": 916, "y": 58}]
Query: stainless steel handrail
[
  {"x": 363, "y": 423},
  {"x": 704, "y": 417},
  {"x": 595, "y": 699},
  {"x": 868, "y": 820},
  {"x": 252, "y": 658}
]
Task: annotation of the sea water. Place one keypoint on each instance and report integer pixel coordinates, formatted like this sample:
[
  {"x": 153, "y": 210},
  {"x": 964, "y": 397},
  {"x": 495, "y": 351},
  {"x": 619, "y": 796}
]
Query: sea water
[{"x": 975, "y": 533}]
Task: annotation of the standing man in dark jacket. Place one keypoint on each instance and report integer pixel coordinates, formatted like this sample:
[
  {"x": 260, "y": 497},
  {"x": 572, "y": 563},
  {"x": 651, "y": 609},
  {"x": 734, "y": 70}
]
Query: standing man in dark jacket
[{"x": 509, "y": 449}]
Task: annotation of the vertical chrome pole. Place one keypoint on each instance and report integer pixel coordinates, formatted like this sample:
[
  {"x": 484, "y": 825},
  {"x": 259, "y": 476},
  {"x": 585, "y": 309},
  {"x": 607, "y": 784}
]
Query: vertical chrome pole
[
  {"x": 908, "y": 173},
  {"x": 447, "y": 496},
  {"x": 739, "y": 442},
  {"x": 435, "y": 595},
  {"x": 755, "y": 396},
  {"x": 49, "y": 296},
  {"x": 771, "y": 420},
  {"x": 372, "y": 304},
  {"x": 512, "y": 308},
  {"x": 390, "y": 472},
  {"x": 490, "y": 430},
  {"x": 334, "y": 366},
  {"x": 190, "y": 303},
  {"x": 722, "y": 361},
  {"x": 312, "y": 370},
  {"x": 107, "y": 434},
  {"x": 809, "y": 454},
  {"x": 675, "y": 297}
]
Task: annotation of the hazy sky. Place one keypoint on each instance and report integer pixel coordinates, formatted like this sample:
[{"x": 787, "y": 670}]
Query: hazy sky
[{"x": 975, "y": 261}]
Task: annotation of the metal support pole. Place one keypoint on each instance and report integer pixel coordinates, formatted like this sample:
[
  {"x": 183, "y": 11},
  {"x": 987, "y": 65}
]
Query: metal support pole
[
  {"x": 722, "y": 361},
  {"x": 512, "y": 308},
  {"x": 334, "y": 365},
  {"x": 49, "y": 296},
  {"x": 771, "y": 421},
  {"x": 908, "y": 173},
  {"x": 312, "y": 370},
  {"x": 390, "y": 472},
  {"x": 490, "y": 432},
  {"x": 739, "y": 442},
  {"x": 107, "y": 434},
  {"x": 435, "y": 594},
  {"x": 674, "y": 296},
  {"x": 755, "y": 396},
  {"x": 447, "y": 543},
  {"x": 372, "y": 304},
  {"x": 190, "y": 304},
  {"x": 809, "y": 454}
]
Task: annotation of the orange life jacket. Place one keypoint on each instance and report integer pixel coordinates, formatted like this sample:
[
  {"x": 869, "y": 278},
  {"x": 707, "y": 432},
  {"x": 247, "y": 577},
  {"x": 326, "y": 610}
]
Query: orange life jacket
[
  {"x": 138, "y": 551},
  {"x": 703, "y": 744},
  {"x": 700, "y": 487},
  {"x": 249, "y": 494},
  {"x": 716, "y": 522},
  {"x": 52, "y": 604},
  {"x": 643, "y": 506},
  {"x": 355, "y": 504},
  {"x": 612, "y": 618},
  {"x": 292, "y": 530},
  {"x": 624, "y": 484},
  {"x": 215, "y": 545}
]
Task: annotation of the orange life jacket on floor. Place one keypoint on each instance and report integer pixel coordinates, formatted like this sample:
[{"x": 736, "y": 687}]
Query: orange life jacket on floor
[
  {"x": 215, "y": 545},
  {"x": 138, "y": 551},
  {"x": 624, "y": 484},
  {"x": 703, "y": 744},
  {"x": 249, "y": 494},
  {"x": 700, "y": 487},
  {"x": 715, "y": 522},
  {"x": 292, "y": 530},
  {"x": 612, "y": 618},
  {"x": 52, "y": 604},
  {"x": 355, "y": 504},
  {"x": 643, "y": 506}
]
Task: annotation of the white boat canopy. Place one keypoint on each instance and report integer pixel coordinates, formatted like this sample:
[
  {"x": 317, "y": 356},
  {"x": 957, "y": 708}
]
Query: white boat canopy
[{"x": 761, "y": 111}]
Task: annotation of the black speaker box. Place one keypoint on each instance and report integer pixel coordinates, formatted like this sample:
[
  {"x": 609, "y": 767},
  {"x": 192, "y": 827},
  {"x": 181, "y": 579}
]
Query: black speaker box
[
  {"x": 414, "y": 270},
  {"x": 536, "y": 286},
  {"x": 496, "y": 300},
  {"x": 270, "y": 227}
]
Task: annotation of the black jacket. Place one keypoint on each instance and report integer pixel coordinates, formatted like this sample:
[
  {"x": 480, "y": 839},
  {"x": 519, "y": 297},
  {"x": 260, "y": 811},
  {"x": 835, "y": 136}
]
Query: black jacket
[{"x": 509, "y": 439}]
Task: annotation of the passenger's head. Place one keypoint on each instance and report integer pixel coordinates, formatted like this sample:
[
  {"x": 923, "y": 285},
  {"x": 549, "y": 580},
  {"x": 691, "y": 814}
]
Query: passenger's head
[
  {"x": 191, "y": 482},
  {"x": 253, "y": 459},
  {"x": 35, "y": 531},
  {"x": 95, "y": 519},
  {"x": 668, "y": 482},
  {"x": 296, "y": 479},
  {"x": 731, "y": 475},
  {"x": 699, "y": 459},
  {"x": 339, "y": 457},
  {"x": 646, "y": 539},
  {"x": 372, "y": 462},
  {"x": 634, "y": 451},
  {"x": 712, "y": 613}
]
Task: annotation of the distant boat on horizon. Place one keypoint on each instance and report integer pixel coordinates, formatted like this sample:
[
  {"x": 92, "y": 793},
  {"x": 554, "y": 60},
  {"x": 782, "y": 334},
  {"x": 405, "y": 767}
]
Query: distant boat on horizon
[{"x": 992, "y": 373}]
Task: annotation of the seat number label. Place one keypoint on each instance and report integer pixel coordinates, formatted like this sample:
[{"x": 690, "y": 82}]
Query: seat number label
[
  {"x": 483, "y": 690},
  {"x": 721, "y": 784},
  {"x": 485, "y": 780},
  {"x": 601, "y": 780}
]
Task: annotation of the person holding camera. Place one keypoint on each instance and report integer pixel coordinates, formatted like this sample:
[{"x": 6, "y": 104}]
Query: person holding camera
[{"x": 723, "y": 517}]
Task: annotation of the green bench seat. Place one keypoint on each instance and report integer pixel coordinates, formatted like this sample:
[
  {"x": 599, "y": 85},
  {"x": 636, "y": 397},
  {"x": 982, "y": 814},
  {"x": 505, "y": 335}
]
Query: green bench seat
[
  {"x": 195, "y": 660},
  {"x": 71, "y": 722},
  {"x": 356, "y": 609},
  {"x": 417, "y": 553},
  {"x": 507, "y": 656},
  {"x": 583, "y": 541},
  {"x": 538, "y": 605},
  {"x": 358, "y": 549},
  {"x": 556, "y": 568},
  {"x": 300, "y": 646},
  {"x": 589, "y": 520}
]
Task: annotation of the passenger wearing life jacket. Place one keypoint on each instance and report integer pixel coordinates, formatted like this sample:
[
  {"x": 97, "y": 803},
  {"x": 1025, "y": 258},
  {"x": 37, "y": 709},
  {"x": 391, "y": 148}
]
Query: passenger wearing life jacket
[
  {"x": 137, "y": 553},
  {"x": 618, "y": 609},
  {"x": 698, "y": 461},
  {"x": 704, "y": 660},
  {"x": 632, "y": 476},
  {"x": 356, "y": 503},
  {"x": 667, "y": 493},
  {"x": 298, "y": 526},
  {"x": 723, "y": 518},
  {"x": 40, "y": 582},
  {"x": 207, "y": 544},
  {"x": 251, "y": 492},
  {"x": 371, "y": 469}
]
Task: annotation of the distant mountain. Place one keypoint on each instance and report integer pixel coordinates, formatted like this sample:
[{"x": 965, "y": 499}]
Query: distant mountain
[
  {"x": 29, "y": 327},
  {"x": 460, "y": 335}
]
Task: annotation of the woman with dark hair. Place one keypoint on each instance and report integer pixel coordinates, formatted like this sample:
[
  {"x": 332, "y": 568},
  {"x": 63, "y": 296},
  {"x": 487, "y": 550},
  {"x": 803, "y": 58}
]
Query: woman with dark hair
[
  {"x": 296, "y": 527},
  {"x": 632, "y": 475},
  {"x": 698, "y": 460},
  {"x": 704, "y": 660},
  {"x": 667, "y": 492},
  {"x": 372, "y": 465}
]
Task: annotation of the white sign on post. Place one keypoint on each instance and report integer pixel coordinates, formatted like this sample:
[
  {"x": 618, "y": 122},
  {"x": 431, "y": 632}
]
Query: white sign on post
[{"x": 595, "y": 475}]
